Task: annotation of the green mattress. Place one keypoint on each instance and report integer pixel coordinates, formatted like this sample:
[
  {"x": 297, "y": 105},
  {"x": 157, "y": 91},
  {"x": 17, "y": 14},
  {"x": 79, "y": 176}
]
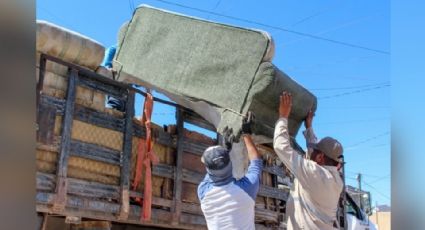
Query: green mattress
[{"x": 219, "y": 71}]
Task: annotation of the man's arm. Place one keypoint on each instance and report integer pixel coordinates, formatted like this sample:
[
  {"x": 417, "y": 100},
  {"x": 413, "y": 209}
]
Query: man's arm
[
  {"x": 309, "y": 135},
  {"x": 250, "y": 183},
  {"x": 301, "y": 168},
  {"x": 250, "y": 147}
]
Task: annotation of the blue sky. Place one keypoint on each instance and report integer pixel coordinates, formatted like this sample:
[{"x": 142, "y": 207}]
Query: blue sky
[{"x": 351, "y": 80}]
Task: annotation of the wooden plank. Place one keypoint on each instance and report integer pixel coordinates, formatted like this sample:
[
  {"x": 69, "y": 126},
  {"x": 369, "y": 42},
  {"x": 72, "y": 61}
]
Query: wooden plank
[
  {"x": 62, "y": 167},
  {"x": 46, "y": 124},
  {"x": 176, "y": 209},
  {"x": 85, "y": 72},
  {"x": 108, "y": 121},
  {"x": 266, "y": 215},
  {"x": 193, "y": 219},
  {"x": 192, "y": 208},
  {"x": 93, "y": 189},
  {"x": 126, "y": 156},
  {"x": 191, "y": 146},
  {"x": 83, "y": 188},
  {"x": 58, "y": 103},
  {"x": 192, "y": 176},
  {"x": 95, "y": 152},
  {"x": 275, "y": 170},
  {"x": 45, "y": 181},
  {"x": 108, "y": 89},
  {"x": 102, "y": 210},
  {"x": 52, "y": 147},
  {"x": 268, "y": 191},
  {"x": 155, "y": 200},
  {"x": 163, "y": 170},
  {"x": 97, "y": 118}
]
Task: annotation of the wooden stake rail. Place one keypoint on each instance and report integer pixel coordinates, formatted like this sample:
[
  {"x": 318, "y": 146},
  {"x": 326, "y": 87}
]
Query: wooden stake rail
[{"x": 57, "y": 193}]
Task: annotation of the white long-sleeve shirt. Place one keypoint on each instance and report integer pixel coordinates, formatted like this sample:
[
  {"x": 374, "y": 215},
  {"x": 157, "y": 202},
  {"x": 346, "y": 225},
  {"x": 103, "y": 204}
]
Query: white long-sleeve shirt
[{"x": 313, "y": 199}]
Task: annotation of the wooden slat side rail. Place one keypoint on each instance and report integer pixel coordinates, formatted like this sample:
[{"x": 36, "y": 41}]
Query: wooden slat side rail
[
  {"x": 97, "y": 118},
  {"x": 126, "y": 156},
  {"x": 105, "y": 120},
  {"x": 275, "y": 170},
  {"x": 192, "y": 176},
  {"x": 193, "y": 219},
  {"x": 191, "y": 146},
  {"x": 273, "y": 192},
  {"x": 62, "y": 167},
  {"x": 192, "y": 208},
  {"x": 176, "y": 209},
  {"x": 155, "y": 200},
  {"x": 163, "y": 170},
  {"x": 266, "y": 215},
  {"x": 82, "y": 188},
  {"x": 58, "y": 103},
  {"x": 95, "y": 152},
  {"x": 116, "y": 92},
  {"x": 103, "y": 210}
]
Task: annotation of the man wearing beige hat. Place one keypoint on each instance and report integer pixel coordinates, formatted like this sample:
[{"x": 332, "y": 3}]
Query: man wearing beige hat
[{"x": 313, "y": 200}]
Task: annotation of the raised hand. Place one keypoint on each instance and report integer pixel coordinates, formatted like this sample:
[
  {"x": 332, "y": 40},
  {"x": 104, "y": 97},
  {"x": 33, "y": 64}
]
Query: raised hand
[
  {"x": 308, "y": 122},
  {"x": 285, "y": 104}
]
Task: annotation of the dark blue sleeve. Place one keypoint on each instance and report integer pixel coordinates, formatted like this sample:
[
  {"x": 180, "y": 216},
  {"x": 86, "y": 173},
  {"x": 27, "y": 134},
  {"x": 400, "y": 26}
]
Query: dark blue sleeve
[
  {"x": 203, "y": 187},
  {"x": 250, "y": 183}
]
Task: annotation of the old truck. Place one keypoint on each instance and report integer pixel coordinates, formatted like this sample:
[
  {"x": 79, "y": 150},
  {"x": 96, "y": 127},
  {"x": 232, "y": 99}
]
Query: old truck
[
  {"x": 87, "y": 153},
  {"x": 101, "y": 167}
]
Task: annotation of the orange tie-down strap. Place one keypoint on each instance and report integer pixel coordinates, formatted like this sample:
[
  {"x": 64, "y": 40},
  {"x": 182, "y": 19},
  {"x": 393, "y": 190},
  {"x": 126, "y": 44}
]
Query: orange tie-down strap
[{"x": 145, "y": 156}]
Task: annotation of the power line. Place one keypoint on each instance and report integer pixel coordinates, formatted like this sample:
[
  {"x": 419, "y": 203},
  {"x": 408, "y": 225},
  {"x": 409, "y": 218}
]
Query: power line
[
  {"x": 307, "y": 18},
  {"x": 364, "y": 174},
  {"x": 317, "y": 13},
  {"x": 381, "y": 178},
  {"x": 353, "y": 121},
  {"x": 131, "y": 5},
  {"x": 376, "y": 190},
  {"x": 354, "y": 92},
  {"x": 380, "y": 145},
  {"x": 334, "y": 28},
  {"x": 357, "y": 107},
  {"x": 216, "y": 5},
  {"x": 277, "y": 28},
  {"x": 352, "y": 87},
  {"x": 368, "y": 140},
  {"x": 214, "y": 8}
]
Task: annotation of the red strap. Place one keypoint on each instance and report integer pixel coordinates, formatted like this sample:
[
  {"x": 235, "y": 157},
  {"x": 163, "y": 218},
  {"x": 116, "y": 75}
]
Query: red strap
[{"x": 145, "y": 157}]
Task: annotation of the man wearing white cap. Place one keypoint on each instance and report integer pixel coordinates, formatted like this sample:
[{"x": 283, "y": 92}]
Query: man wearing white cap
[
  {"x": 228, "y": 203},
  {"x": 313, "y": 200}
]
